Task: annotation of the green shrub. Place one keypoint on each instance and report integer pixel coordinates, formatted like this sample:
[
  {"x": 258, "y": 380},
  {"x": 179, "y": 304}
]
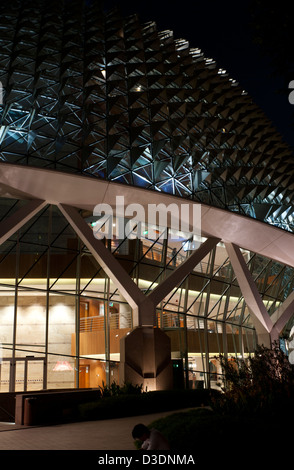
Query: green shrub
[
  {"x": 125, "y": 404},
  {"x": 184, "y": 429},
  {"x": 262, "y": 384},
  {"x": 114, "y": 389},
  {"x": 208, "y": 434},
  {"x": 256, "y": 406}
]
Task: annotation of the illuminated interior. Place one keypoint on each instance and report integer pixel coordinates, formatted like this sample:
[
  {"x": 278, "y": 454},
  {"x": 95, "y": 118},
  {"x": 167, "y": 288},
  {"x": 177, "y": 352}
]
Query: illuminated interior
[
  {"x": 144, "y": 115},
  {"x": 64, "y": 330}
]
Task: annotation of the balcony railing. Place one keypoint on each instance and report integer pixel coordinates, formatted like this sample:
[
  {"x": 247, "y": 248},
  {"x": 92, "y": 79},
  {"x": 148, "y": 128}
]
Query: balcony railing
[
  {"x": 88, "y": 324},
  {"x": 96, "y": 323},
  {"x": 170, "y": 320}
]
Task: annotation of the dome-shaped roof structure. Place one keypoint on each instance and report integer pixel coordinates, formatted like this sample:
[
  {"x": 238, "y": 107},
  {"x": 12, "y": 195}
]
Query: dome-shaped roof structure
[{"x": 106, "y": 96}]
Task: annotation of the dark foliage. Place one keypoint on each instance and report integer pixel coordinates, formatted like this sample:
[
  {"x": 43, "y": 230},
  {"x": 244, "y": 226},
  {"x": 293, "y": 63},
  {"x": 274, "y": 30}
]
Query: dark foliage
[{"x": 263, "y": 383}]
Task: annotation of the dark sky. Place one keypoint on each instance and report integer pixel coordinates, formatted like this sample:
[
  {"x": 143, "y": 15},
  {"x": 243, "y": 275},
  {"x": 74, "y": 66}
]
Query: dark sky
[{"x": 221, "y": 29}]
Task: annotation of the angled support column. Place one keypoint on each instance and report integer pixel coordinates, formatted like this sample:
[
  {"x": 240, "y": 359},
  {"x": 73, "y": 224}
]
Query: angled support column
[
  {"x": 259, "y": 314},
  {"x": 145, "y": 353},
  {"x": 179, "y": 274},
  {"x": 14, "y": 222},
  {"x": 282, "y": 315},
  {"x": 110, "y": 265}
]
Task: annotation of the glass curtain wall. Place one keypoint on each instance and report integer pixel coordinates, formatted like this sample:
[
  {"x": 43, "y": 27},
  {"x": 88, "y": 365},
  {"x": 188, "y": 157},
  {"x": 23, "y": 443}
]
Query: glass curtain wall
[{"x": 62, "y": 318}]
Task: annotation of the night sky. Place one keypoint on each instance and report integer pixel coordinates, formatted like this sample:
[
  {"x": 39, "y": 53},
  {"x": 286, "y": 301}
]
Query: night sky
[{"x": 222, "y": 31}]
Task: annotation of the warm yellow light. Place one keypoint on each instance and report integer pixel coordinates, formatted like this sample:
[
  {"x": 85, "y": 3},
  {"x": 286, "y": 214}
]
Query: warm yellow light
[{"x": 71, "y": 282}]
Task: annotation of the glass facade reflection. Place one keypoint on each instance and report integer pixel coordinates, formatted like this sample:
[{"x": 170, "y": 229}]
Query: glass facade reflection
[{"x": 62, "y": 318}]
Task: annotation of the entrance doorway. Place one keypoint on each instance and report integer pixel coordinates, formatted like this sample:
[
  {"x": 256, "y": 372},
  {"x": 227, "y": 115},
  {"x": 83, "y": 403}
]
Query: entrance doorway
[
  {"x": 84, "y": 376},
  {"x": 23, "y": 373},
  {"x": 92, "y": 373}
]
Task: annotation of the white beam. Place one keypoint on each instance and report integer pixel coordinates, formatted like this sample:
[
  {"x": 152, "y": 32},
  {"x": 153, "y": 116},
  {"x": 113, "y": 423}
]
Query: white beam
[
  {"x": 78, "y": 190},
  {"x": 130, "y": 291},
  {"x": 283, "y": 313},
  {"x": 179, "y": 274},
  {"x": 259, "y": 314}
]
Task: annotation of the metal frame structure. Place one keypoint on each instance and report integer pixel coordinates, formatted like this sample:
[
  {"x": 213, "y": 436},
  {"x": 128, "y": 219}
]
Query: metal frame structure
[
  {"x": 96, "y": 105},
  {"x": 260, "y": 308},
  {"x": 95, "y": 93}
]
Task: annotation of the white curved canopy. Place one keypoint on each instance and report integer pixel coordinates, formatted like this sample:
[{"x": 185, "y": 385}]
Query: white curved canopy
[{"x": 85, "y": 193}]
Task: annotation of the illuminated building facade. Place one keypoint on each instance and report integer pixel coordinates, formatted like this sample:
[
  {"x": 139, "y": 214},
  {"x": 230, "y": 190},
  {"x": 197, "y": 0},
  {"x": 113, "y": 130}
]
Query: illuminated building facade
[{"x": 95, "y": 107}]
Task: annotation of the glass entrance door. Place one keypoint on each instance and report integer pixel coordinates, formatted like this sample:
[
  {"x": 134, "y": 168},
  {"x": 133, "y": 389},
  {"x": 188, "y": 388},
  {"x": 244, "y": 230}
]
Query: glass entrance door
[{"x": 24, "y": 373}]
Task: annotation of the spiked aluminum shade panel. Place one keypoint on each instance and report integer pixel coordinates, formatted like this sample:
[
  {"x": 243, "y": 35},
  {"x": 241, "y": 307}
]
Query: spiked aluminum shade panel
[{"x": 91, "y": 92}]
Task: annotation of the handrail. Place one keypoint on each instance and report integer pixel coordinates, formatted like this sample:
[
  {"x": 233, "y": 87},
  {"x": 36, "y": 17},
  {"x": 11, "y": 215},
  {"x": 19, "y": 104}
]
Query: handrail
[{"x": 97, "y": 322}]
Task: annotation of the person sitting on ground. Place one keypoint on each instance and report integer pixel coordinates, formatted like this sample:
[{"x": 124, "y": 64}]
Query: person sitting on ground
[{"x": 151, "y": 439}]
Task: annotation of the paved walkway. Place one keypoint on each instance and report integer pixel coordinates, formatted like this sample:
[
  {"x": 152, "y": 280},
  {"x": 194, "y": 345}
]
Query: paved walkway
[{"x": 112, "y": 434}]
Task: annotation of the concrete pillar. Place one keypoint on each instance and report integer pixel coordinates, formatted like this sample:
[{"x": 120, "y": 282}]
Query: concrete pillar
[
  {"x": 282, "y": 315},
  {"x": 275, "y": 335},
  {"x": 268, "y": 328},
  {"x": 264, "y": 339},
  {"x": 259, "y": 315},
  {"x": 145, "y": 359},
  {"x": 145, "y": 353}
]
